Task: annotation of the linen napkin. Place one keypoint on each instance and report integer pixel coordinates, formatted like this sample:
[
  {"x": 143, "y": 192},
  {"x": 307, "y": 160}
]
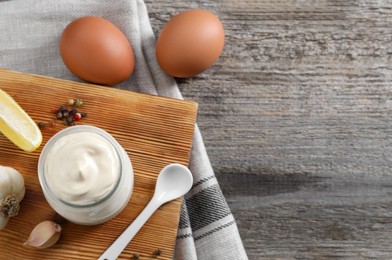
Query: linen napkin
[{"x": 29, "y": 42}]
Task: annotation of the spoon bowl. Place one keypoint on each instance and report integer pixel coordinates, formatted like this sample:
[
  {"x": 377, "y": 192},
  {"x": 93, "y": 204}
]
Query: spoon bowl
[{"x": 174, "y": 181}]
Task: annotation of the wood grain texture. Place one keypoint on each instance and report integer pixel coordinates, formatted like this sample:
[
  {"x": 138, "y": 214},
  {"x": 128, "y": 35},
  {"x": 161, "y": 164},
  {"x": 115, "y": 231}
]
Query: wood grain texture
[
  {"x": 154, "y": 131},
  {"x": 296, "y": 118}
]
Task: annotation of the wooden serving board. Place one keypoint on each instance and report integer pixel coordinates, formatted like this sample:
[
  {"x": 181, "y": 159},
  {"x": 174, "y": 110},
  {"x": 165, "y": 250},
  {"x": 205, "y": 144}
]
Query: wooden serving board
[{"x": 154, "y": 131}]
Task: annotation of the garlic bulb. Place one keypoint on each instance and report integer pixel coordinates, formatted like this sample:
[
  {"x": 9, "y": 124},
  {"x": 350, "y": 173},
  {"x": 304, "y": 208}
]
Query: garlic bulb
[
  {"x": 44, "y": 235},
  {"x": 12, "y": 191}
]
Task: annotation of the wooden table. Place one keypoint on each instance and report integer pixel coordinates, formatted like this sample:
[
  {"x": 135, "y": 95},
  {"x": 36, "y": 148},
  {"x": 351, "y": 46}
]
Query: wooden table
[{"x": 297, "y": 120}]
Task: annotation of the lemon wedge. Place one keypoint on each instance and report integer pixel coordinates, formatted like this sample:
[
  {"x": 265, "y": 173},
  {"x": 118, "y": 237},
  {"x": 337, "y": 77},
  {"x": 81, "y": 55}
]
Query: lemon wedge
[{"x": 17, "y": 125}]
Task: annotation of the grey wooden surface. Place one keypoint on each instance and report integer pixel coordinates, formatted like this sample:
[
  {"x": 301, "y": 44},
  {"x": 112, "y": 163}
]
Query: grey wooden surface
[{"x": 296, "y": 118}]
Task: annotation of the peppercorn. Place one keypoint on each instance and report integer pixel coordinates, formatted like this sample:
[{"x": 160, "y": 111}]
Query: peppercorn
[
  {"x": 136, "y": 256},
  {"x": 77, "y": 116},
  {"x": 78, "y": 103},
  {"x": 65, "y": 114},
  {"x": 157, "y": 252},
  {"x": 59, "y": 115},
  {"x": 73, "y": 111},
  {"x": 71, "y": 115},
  {"x": 70, "y": 120},
  {"x": 41, "y": 125}
]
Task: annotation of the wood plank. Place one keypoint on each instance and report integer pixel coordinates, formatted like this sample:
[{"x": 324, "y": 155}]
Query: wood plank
[
  {"x": 296, "y": 118},
  {"x": 154, "y": 131}
]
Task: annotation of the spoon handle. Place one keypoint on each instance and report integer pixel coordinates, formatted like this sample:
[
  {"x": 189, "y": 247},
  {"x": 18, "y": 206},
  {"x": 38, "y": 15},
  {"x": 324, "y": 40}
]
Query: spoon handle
[{"x": 122, "y": 241}]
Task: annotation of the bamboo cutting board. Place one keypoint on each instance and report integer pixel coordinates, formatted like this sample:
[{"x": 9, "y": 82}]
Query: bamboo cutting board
[{"x": 154, "y": 131}]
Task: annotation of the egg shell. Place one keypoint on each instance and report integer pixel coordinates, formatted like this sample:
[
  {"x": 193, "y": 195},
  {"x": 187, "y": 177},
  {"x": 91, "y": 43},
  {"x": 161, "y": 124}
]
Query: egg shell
[
  {"x": 190, "y": 43},
  {"x": 95, "y": 50}
]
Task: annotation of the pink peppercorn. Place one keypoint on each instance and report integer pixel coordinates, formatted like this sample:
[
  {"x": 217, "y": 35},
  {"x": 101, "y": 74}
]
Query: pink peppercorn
[
  {"x": 77, "y": 116},
  {"x": 55, "y": 110}
]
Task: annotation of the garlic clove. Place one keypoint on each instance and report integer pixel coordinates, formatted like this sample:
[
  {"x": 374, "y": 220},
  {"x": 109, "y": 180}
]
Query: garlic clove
[
  {"x": 12, "y": 191},
  {"x": 3, "y": 222},
  {"x": 44, "y": 235}
]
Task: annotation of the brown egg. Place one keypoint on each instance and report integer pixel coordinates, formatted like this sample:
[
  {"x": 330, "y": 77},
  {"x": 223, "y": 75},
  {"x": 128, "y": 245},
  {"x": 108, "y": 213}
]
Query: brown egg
[
  {"x": 97, "y": 51},
  {"x": 190, "y": 43}
]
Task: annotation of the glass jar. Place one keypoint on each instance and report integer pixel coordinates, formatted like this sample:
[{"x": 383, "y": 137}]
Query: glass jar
[{"x": 94, "y": 212}]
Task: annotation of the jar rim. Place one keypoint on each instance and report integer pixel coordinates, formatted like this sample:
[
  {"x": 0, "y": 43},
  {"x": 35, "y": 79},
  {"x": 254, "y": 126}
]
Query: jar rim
[{"x": 71, "y": 130}]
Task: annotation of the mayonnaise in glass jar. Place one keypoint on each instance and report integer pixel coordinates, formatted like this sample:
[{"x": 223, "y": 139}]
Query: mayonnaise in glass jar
[{"x": 85, "y": 174}]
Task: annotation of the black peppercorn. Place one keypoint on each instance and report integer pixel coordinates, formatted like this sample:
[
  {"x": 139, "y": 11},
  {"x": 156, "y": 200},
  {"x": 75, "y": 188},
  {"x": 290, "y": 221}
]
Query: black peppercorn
[
  {"x": 70, "y": 120},
  {"x": 157, "y": 252},
  {"x": 65, "y": 114},
  {"x": 62, "y": 108},
  {"x": 41, "y": 125},
  {"x": 83, "y": 114},
  {"x": 59, "y": 115},
  {"x": 73, "y": 111}
]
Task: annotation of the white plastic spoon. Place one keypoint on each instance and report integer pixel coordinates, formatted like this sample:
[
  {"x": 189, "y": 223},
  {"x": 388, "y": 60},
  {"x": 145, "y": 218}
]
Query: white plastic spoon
[{"x": 174, "y": 181}]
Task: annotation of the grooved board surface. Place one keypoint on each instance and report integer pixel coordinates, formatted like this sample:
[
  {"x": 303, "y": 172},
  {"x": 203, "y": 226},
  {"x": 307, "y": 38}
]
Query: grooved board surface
[{"x": 154, "y": 131}]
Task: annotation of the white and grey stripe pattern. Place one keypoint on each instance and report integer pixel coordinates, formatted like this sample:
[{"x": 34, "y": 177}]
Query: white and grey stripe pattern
[
  {"x": 30, "y": 31},
  {"x": 207, "y": 228}
]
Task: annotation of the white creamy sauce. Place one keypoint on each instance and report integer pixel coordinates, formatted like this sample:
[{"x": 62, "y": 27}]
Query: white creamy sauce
[{"x": 82, "y": 168}]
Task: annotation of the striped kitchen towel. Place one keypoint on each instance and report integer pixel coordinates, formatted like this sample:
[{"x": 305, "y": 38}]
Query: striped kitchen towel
[{"x": 29, "y": 36}]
